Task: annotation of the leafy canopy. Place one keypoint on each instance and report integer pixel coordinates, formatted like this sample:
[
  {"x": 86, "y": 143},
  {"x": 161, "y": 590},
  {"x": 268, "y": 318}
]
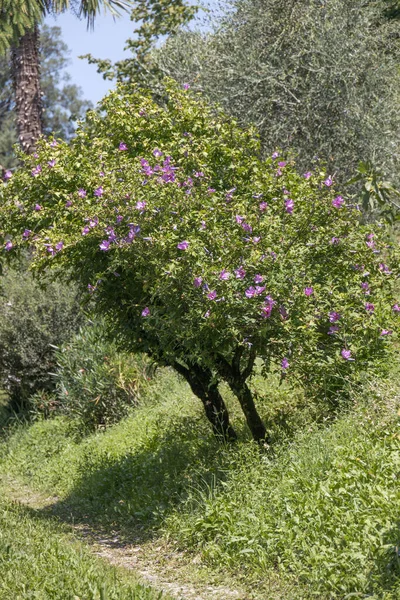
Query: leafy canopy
[{"x": 191, "y": 243}]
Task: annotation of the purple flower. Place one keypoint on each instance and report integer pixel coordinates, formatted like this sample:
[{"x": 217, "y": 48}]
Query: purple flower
[
  {"x": 203, "y": 225},
  {"x": 229, "y": 194},
  {"x": 365, "y": 287},
  {"x": 334, "y": 241},
  {"x": 157, "y": 153},
  {"x": 239, "y": 219},
  {"x": 250, "y": 292},
  {"x": 119, "y": 218},
  {"x": 260, "y": 289},
  {"x": 26, "y": 233},
  {"x": 7, "y": 175},
  {"x": 396, "y": 308},
  {"x": 308, "y": 291},
  {"x": 186, "y": 86},
  {"x": 289, "y": 206},
  {"x": 285, "y": 364},
  {"x": 122, "y": 146},
  {"x": 307, "y": 175},
  {"x": 183, "y": 245},
  {"x": 94, "y": 222},
  {"x": 53, "y": 144},
  {"x": 82, "y": 193},
  {"x": 369, "y": 307},
  {"x": 266, "y": 310},
  {"x": 247, "y": 227},
  {"x": 99, "y": 191},
  {"x": 386, "y": 332},
  {"x": 333, "y": 329},
  {"x": 8, "y": 245},
  {"x": 346, "y": 354},
  {"x": 38, "y": 207},
  {"x": 240, "y": 273},
  {"x": 282, "y": 164},
  {"x": 263, "y": 206},
  {"x": 334, "y": 316},
  {"x": 35, "y": 172},
  {"x": 224, "y": 275},
  {"x": 59, "y": 246},
  {"x": 370, "y": 244},
  {"x": 146, "y": 312},
  {"x": 199, "y": 174},
  {"x": 85, "y": 230},
  {"x": 328, "y": 181},
  {"x": 258, "y": 278},
  {"x": 212, "y": 295},
  {"x": 197, "y": 281},
  {"x": 105, "y": 245},
  {"x": 52, "y": 163},
  {"x": 141, "y": 205},
  {"x": 211, "y": 191},
  {"x": 68, "y": 203},
  {"x": 50, "y": 249},
  {"x": 283, "y": 312},
  {"x": 91, "y": 288},
  {"x": 256, "y": 240},
  {"x": 337, "y": 202},
  {"x": 385, "y": 269},
  {"x": 275, "y": 155}
]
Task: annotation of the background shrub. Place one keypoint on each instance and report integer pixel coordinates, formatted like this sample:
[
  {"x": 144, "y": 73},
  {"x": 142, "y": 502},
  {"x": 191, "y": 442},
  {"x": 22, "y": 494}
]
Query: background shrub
[
  {"x": 95, "y": 382},
  {"x": 33, "y": 320}
]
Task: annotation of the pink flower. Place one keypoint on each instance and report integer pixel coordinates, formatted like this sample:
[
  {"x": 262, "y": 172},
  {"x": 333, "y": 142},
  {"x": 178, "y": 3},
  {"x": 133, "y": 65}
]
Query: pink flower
[
  {"x": 307, "y": 175},
  {"x": 396, "y": 308},
  {"x": 8, "y": 245},
  {"x": 334, "y": 316},
  {"x": 285, "y": 364},
  {"x": 224, "y": 275},
  {"x": 266, "y": 311},
  {"x": 328, "y": 181},
  {"x": 122, "y": 146},
  {"x": 240, "y": 273},
  {"x": 337, "y": 202},
  {"x": 346, "y": 354},
  {"x": 38, "y": 207},
  {"x": 386, "y": 332},
  {"x": 212, "y": 295},
  {"x": 146, "y": 312},
  {"x": 282, "y": 164},
  {"x": 289, "y": 206},
  {"x": 183, "y": 245},
  {"x": 308, "y": 291},
  {"x": 369, "y": 307},
  {"x": 186, "y": 86}
]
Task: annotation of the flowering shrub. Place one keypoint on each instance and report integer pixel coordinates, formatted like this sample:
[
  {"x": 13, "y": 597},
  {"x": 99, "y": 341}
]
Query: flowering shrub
[{"x": 201, "y": 253}]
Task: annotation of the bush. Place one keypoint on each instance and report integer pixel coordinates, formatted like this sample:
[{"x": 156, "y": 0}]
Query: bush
[
  {"x": 203, "y": 254},
  {"x": 96, "y": 383},
  {"x": 33, "y": 320}
]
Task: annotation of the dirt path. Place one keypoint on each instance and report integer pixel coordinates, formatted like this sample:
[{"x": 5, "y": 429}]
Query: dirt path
[{"x": 157, "y": 563}]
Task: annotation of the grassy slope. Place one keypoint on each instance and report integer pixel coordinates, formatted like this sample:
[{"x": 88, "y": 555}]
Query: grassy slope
[{"x": 323, "y": 511}]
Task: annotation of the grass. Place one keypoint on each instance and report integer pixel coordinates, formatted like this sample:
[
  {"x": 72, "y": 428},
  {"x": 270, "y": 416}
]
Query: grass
[
  {"x": 318, "y": 512},
  {"x": 39, "y": 560}
]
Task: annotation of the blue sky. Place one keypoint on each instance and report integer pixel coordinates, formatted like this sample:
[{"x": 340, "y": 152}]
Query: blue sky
[{"x": 106, "y": 41}]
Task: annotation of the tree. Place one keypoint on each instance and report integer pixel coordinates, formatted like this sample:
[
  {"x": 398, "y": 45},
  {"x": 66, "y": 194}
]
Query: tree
[
  {"x": 320, "y": 78},
  {"x": 62, "y": 100},
  {"x": 204, "y": 255},
  {"x": 19, "y": 29}
]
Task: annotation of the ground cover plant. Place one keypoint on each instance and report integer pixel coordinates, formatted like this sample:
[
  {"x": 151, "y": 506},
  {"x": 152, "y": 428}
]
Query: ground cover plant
[
  {"x": 40, "y": 560},
  {"x": 320, "y": 512},
  {"x": 204, "y": 255}
]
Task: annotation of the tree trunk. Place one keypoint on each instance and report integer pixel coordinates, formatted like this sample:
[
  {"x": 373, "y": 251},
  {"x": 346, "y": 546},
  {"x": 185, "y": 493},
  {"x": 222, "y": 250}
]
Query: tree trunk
[
  {"x": 254, "y": 421},
  {"x": 201, "y": 383},
  {"x": 25, "y": 74}
]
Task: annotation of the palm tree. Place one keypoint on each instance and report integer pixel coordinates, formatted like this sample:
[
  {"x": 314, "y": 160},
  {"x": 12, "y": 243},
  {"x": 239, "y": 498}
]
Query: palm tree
[{"x": 19, "y": 31}]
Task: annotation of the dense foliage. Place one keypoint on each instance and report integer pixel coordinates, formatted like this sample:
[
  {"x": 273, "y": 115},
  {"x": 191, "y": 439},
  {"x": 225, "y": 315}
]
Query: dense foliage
[
  {"x": 197, "y": 250},
  {"x": 320, "y": 78},
  {"x": 32, "y": 321}
]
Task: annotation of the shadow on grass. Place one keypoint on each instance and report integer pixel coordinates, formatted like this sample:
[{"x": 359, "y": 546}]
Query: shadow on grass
[{"x": 133, "y": 494}]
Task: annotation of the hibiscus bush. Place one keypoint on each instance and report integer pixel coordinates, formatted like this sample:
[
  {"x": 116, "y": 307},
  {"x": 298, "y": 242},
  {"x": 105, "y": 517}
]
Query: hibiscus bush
[{"x": 204, "y": 255}]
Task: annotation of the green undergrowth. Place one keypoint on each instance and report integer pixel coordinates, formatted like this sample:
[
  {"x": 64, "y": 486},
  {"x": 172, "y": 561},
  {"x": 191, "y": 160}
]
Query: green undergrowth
[
  {"x": 319, "y": 508},
  {"x": 39, "y": 560}
]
